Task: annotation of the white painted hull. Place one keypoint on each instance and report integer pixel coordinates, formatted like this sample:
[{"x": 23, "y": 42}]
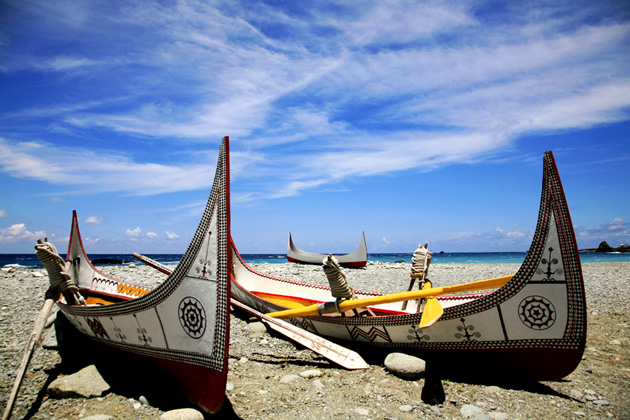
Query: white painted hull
[
  {"x": 534, "y": 326},
  {"x": 182, "y": 326}
]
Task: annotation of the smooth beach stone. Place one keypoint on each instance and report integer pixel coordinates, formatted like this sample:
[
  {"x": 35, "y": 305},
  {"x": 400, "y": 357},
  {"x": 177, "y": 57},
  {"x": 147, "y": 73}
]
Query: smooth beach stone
[
  {"x": 98, "y": 417},
  {"x": 313, "y": 373},
  {"x": 405, "y": 366},
  {"x": 469, "y": 410},
  {"x": 600, "y": 402},
  {"x": 576, "y": 394},
  {"x": 86, "y": 383},
  {"x": 493, "y": 389},
  {"x": 182, "y": 414},
  {"x": 288, "y": 378},
  {"x": 50, "y": 340},
  {"x": 257, "y": 327}
]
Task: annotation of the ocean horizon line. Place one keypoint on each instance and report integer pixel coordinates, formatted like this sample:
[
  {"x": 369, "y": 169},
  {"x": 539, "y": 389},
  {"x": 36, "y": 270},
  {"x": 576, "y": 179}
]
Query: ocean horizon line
[{"x": 31, "y": 261}]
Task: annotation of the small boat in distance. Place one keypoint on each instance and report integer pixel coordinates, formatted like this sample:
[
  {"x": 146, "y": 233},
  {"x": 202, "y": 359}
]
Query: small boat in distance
[
  {"x": 532, "y": 325},
  {"x": 356, "y": 259},
  {"x": 181, "y": 326}
]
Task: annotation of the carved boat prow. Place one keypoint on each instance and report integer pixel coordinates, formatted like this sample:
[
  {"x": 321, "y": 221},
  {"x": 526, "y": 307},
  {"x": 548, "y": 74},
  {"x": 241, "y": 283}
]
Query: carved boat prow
[{"x": 181, "y": 326}]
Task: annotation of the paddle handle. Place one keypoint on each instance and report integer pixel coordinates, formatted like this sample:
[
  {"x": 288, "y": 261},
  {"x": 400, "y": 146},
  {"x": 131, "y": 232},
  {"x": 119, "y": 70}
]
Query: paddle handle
[
  {"x": 347, "y": 305},
  {"x": 33, "y": 341}
]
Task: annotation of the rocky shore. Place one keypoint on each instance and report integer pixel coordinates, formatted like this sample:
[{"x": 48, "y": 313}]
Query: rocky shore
[{"x": 271, "y": 378}]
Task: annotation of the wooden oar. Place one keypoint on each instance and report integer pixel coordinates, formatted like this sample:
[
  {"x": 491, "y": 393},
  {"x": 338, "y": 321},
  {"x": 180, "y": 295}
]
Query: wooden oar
[
  {"x": 432, "y": 309},
  {"x": 333, "y": 352},
  {"x": 33, "y": 341},
  {"x": 152, "y": 263},
  {"x": 346, "y": 305}
]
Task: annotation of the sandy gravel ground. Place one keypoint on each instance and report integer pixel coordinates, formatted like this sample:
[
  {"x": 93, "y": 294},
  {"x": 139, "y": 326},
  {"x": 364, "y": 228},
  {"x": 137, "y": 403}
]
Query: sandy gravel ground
[{"x": 265, "y": 383}]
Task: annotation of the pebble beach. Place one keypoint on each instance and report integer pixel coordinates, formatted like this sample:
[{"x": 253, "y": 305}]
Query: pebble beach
[{"x": 273, "y": 378}]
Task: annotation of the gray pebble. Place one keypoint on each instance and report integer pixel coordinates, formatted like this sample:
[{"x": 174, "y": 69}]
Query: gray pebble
[
  {"x": 576, "y": 394},
  {"x": 182, "y": 414},
  {"x": 86, "y": 383},
  {"x": 288, "y": 378},
  {"x": 405, "y": 366},
  {"x": 313, "y": 373},
  {"x": 362, "y": 411},
  {"x": 469, "y": 410},
  {"x": 257, "y": 327},
  {"x": 405, "y": 408}
]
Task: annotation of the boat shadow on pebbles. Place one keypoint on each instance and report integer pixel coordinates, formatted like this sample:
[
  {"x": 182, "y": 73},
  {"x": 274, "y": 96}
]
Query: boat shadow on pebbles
[
  {"x": 127, "y": 375},
  {"x": 479, "y": 371}
]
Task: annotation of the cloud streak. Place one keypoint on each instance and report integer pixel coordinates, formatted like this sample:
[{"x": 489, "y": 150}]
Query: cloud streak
[{"x": 312, "y": 96}]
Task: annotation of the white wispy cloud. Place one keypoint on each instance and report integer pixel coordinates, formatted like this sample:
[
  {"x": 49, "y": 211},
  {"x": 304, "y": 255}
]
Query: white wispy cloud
[
  {"x": 19, "y": 233},
  {"x": 171, "y": 235},
  {"x": 615, "y": 232},
  {"x": 348, "y": 91},
  {"x": 133, "y": 233},
  {"x": 100, "y": 172},
  {"x": 93, "y": 221}
]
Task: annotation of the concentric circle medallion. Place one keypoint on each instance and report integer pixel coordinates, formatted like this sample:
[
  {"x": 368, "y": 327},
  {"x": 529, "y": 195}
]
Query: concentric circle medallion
[
  {"x": 537, "y": 312},
  {"x": 192, "y": 316}
]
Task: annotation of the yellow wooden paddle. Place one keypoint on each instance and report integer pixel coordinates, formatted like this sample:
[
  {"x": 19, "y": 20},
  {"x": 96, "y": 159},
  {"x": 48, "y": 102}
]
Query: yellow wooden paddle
[
  {"x": 346, "y": 305},
  {"x": 432, "y": 308}
]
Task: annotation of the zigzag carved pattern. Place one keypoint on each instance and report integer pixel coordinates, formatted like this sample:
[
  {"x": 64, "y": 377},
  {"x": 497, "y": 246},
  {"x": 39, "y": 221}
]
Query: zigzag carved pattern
[
  {"x": 305, "y": 324},
  {"x": 371, "y": 335}
]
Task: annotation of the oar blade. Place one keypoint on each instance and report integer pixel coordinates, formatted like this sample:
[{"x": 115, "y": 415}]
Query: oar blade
[
  {"x": 342, "y": 356},
  {"x": 432, "y": 312}
]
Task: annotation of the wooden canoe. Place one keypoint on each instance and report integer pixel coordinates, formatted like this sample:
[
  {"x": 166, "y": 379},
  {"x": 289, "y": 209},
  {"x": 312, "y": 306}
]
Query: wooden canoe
[
  {"x": 181, "y": 326},
  {"x": 533, "y": 325},
  {"x": 356, "y": 259}
]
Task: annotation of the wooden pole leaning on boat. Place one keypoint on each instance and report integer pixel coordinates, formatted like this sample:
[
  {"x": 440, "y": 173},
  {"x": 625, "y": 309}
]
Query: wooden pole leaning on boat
[
  {"x": 333, "y": 307},
  {"x": 59, "y": 283},
  {"x": 33, "y": 341},
  {"x": 332, "y": 351}
]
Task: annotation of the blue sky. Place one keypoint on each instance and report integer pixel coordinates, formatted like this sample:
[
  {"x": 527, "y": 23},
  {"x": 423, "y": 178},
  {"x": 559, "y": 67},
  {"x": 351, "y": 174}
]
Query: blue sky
[{"x": 412, "y": 121}]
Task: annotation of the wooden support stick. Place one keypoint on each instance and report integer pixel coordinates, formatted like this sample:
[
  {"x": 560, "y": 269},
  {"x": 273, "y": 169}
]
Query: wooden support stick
[{"x": 33, "y": 341}]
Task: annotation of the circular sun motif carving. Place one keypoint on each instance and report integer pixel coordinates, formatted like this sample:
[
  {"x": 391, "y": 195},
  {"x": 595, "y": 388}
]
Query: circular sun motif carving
[
  {"x": 537, "y": 312},
  {"x": 192, "y": 316}
]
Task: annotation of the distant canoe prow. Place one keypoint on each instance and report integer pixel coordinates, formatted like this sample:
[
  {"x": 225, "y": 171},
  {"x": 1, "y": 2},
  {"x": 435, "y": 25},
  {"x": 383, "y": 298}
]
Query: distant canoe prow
[{"x": 356, "y": 259}]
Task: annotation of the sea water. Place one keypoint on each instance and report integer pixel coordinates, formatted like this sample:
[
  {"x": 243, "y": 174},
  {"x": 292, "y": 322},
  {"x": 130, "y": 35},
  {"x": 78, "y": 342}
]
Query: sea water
[{"x": 31, "y": 261}]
